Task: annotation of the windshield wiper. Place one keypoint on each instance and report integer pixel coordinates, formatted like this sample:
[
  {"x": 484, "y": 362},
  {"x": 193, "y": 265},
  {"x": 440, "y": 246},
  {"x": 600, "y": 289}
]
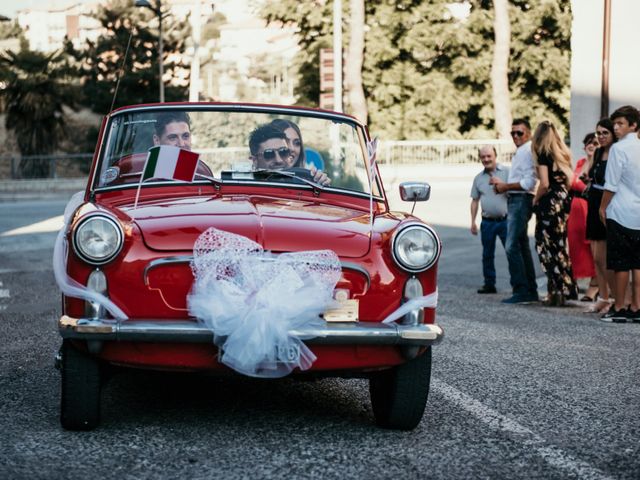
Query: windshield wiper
[
  {"x": 216, "y": 182},
  {"x": 290, "y": 174}
]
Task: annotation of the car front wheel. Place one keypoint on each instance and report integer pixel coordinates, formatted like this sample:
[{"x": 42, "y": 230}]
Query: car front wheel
[
  {"x": 80, "y": 392},
  {"x": 399, "y": 394}
]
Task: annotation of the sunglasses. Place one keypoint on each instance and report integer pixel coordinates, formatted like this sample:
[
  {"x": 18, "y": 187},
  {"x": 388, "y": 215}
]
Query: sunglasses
[
  {"x": 270, "y": 153},
  {"x": 603, "y": 133},
  {"x": 517, "y": 133}
]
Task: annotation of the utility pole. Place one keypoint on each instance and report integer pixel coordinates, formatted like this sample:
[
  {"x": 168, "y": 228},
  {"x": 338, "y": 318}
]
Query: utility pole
[
  {"x": 337, "y": 55},
  {"x": 194, "y": 76},
  {"x": 157, "y": 9}
]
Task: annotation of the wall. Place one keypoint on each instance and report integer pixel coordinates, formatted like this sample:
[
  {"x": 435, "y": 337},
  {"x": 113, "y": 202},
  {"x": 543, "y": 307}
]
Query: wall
[{"x": 586, "y": 63}]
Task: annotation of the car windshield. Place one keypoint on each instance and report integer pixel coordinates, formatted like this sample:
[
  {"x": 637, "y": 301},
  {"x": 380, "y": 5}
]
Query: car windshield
[{"x": 238, "y": 145}]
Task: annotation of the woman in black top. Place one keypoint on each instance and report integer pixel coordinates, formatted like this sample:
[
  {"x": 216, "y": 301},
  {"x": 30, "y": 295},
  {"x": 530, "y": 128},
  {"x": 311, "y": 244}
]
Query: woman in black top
[
  {"x": 596, "y": 231},
  {"x": 551, "y": 204}
]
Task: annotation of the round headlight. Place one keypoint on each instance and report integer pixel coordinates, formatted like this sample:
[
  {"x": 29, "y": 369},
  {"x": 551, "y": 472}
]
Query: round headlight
[
  {"x": 415, "y": 248},
  {"x": 97, "y": 239}
]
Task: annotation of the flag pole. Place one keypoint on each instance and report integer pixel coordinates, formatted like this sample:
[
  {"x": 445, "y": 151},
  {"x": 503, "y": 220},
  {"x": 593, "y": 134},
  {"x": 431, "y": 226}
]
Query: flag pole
[{"x": 372, "y": 146}]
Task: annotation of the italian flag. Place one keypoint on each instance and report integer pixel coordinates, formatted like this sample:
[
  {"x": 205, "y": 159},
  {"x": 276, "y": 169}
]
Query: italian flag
[{"x": 167, "y": 161}]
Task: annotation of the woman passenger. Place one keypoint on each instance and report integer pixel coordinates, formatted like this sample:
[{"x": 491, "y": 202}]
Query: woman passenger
[{"x": 294, "y": 140}]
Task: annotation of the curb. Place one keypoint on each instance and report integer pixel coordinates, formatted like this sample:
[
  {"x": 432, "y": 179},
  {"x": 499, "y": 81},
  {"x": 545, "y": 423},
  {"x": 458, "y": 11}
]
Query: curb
[{"x": 52, "y": 188}]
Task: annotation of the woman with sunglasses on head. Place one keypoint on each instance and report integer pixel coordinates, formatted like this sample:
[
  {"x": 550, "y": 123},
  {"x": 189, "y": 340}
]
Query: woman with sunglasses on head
[
  {"x": 579, "y": 248},
  {"x": 551, "y": 203},
  {"x": 596, "y": 230}
]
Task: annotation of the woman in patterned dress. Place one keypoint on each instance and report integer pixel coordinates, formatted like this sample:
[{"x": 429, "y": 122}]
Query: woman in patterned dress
[{"x": 551, "y": 205}]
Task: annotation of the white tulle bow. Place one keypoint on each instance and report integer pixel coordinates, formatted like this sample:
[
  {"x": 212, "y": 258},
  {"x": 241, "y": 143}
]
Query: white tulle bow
[{"x": 250, "y": 299}]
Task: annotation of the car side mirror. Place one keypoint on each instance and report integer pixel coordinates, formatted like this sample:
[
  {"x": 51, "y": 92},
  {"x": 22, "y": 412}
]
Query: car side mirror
[{"x": 415, "y": 191}]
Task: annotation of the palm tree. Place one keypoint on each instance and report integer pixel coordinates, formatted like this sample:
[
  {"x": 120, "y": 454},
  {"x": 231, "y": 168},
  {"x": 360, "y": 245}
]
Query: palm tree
[{"x": 34, "y": 93}]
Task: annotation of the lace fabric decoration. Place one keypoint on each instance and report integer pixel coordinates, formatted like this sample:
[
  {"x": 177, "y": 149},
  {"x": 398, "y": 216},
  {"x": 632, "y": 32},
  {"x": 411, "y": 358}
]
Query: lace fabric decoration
[{"x": 251, "y": 299}]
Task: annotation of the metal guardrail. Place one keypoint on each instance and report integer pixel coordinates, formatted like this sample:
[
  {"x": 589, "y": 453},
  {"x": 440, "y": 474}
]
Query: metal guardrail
[
  {"x": 408, "y": 152},
  {"x": 443, "y": 152}
]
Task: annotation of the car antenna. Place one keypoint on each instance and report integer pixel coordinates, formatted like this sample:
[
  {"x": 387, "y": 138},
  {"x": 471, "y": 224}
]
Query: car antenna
[{"x": 124, "y": 60}]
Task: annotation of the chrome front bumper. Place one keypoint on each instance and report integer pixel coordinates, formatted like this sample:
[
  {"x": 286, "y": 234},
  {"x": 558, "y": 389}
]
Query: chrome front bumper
[{"x": 329, "y": 333}]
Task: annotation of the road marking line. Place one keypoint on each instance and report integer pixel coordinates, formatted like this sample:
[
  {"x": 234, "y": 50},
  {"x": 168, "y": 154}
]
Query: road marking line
[
  {"x": 550, "y": 454},
  {"x": 4, "y": 293},
  {"x": 52, "y": 224}
]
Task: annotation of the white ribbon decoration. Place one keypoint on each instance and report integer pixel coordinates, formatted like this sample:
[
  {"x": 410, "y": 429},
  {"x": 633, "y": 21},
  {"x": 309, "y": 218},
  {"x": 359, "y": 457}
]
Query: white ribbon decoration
[
  {"x": 250, "y": 299},
  {"x": 68, "y": 285},
  {"x": 428, "y": 301}
]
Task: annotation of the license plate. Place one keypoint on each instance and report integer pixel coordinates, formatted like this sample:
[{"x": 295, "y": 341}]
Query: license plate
[{"x": 346, "y": 312}]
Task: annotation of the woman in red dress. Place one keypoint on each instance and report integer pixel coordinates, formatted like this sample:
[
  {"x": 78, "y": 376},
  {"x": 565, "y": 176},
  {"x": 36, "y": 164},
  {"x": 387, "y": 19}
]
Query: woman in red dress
[{"x": 579, "y": 248}]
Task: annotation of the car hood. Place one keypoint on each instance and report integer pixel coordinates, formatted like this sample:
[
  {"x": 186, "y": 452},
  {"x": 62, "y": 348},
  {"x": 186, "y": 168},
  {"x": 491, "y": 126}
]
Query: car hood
[{"x": 279, "y": 225}]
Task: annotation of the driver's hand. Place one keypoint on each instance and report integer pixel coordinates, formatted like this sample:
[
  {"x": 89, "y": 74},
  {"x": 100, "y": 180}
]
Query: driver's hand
[{"x": 319, "y": 176}]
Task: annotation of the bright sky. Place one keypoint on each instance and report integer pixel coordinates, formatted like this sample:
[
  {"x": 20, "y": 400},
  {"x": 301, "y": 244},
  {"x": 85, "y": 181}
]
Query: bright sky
[{"x": 9, "y": 8}]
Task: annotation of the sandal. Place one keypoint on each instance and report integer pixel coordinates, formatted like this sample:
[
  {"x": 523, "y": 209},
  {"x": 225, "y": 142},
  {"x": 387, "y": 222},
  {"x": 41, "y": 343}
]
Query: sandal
[
  {"x": 601, "y": 306},
  {"x": 588, "y": 296}
]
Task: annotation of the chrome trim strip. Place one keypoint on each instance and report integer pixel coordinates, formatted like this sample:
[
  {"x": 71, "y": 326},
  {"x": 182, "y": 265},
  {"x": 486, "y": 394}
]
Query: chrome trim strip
[
  {"x": 159, "y": 262},
  {"x": 298, "y": 186},
  {"x": 286, "y": 110},
  {"x": 190, "y": 331},
  {"x": 357, "y": 268}
]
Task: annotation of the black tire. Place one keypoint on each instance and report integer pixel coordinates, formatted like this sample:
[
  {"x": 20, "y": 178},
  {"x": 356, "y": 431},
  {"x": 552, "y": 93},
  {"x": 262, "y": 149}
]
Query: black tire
[
  {"x": 399, "y": 395},
  {"x": 80, "y": 389}
]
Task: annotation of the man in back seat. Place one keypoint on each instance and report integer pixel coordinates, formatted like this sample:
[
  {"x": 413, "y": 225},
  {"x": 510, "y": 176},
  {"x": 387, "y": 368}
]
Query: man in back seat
[{"x": 173, "y": 128}]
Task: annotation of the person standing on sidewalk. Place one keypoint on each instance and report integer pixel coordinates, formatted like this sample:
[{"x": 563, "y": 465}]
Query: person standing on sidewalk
[
  {"x": 520, "y": 186},
  {"x": 494, "y": 214},
  {"x": 620, "y": 208}
]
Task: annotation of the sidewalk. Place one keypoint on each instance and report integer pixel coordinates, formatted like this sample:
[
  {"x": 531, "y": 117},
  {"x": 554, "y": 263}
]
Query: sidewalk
[{"x": 51, "y": 188}]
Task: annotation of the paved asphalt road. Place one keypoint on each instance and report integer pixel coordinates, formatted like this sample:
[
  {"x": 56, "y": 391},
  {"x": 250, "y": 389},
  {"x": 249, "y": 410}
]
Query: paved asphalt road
[{"x": 517, "y": 392}]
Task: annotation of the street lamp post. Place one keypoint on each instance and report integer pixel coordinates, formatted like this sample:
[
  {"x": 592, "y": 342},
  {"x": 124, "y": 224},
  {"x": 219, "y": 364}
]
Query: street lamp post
[{"x": 158, "y": 11}]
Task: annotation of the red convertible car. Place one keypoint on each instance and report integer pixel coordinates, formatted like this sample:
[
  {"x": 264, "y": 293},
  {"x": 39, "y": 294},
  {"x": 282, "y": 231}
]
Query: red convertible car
[{"x": 244, "y": 239}]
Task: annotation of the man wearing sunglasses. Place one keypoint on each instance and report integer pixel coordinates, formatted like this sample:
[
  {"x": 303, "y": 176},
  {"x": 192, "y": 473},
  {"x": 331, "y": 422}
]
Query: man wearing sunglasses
[
  {"x": 270, "y": 151},
  {"x": 519, "y": 188}
]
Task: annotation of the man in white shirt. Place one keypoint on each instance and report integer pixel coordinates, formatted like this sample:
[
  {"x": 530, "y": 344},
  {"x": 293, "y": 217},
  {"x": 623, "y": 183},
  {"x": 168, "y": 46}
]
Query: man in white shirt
[
  {"x": 519, "y": 187},
  {"x": 620, "y": 208}
]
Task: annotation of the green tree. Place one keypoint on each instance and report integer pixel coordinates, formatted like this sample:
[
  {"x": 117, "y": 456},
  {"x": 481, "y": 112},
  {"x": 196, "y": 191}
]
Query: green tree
[
  {"x": 427, "y": 73},
  {"x": 35, "y": 94},
  {"x": 314, "y": 33},
  {"x": 101, "y": 61}
]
